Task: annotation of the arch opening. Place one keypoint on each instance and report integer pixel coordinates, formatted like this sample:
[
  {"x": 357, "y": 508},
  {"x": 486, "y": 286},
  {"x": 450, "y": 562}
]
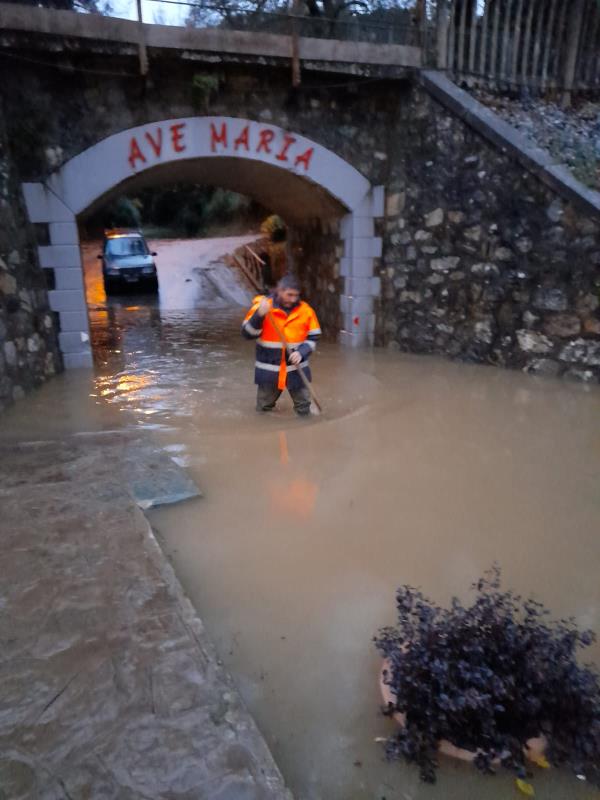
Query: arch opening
[
  {"x": 288, "y": 194},
  {"x": 329, "y": 206}
]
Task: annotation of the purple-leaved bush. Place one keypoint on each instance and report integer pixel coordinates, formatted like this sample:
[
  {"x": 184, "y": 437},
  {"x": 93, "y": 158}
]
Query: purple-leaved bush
[{"x": 487, "y": 677}]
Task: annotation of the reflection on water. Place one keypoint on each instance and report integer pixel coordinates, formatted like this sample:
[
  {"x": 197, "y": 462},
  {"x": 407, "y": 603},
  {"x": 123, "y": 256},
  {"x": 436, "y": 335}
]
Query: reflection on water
[
  {"x": 420, "y": 471},
  {"x": 291, "y": 493},
  {"x": 305, "y": 531},
  {"x": 158, "y": 363},
  {"x": 147, "y": 347}
]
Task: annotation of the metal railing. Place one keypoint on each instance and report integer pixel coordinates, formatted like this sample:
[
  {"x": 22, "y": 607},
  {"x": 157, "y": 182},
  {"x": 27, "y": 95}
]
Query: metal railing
[
  {"x": 397, "y": 28},
  {"x": 357, "y": 28},
  {"x": 250, "y": 264}
]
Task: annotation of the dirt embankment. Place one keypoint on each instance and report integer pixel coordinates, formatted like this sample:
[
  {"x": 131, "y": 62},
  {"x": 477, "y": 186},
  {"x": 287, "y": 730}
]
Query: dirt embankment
[{"x": 571, "y": 135}]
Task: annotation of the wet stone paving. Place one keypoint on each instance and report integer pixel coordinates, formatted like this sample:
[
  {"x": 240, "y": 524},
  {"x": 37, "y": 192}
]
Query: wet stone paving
[{"x": 110, "y": 687}]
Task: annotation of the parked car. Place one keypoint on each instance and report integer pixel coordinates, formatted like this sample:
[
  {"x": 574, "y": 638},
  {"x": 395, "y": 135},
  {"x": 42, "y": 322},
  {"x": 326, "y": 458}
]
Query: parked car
[{"x": 127, "y": 261}]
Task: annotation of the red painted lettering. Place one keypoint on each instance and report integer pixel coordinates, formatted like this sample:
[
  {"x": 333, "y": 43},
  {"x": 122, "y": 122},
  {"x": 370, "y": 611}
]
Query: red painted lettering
[
  {"x": 287, "y": 142},
  {"x": 155, "y": 144},
  {"x": 135, "y": 154},
  {"x": 304, "y": 159},
  {"x": 218, "y": 138},
  {"x": 242, "y": 139},
  {"x": 265, "y": 139},
  {"x": 177, "y": 137}
]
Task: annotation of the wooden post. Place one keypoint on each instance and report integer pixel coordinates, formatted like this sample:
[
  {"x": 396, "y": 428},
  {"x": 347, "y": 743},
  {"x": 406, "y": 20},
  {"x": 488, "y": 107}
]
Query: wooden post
[
  {"x": 516, "y": 43},
  {"x": 424, "y": 32},
  {"x": 537, "y": 44},
  {"x": 461, "y": 35},
  {"x": 143, "y": 53},
  {"x": 473, "y": 37},
  {"x": 484, "y": 38},
  {"x": 495, "y": 34},
  {"x": 588, "y": 45},
  {"x": 548, "y": 45},
  {"x": 451, "y": 38},
  {"x": 525, "y": 58},
  {"x": 559, "y": 45},
  {"x": 442, "y": 23},
  {"x": 505, "y": 39},
  {"x": 573, "y": 35},
  {"x": 594, "y": 50},
  {"x": 296, "y": 76}
]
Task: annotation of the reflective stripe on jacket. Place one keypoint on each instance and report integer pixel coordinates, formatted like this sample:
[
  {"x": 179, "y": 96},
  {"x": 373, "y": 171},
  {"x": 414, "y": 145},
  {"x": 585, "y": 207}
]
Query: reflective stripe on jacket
[{"x": 301, "y": 329}]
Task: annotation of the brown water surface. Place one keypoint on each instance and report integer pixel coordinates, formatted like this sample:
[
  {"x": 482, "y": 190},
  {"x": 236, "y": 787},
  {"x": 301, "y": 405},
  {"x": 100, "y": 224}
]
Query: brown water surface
[{"x": 420, "y": 471}]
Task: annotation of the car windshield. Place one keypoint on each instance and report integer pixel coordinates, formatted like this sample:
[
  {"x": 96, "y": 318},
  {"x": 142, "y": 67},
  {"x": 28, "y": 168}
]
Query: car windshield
[{"x": 126, "y": 246}]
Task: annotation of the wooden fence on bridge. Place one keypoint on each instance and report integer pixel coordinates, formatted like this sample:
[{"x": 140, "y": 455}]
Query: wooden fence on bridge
[{"x": 548, "y": 46}]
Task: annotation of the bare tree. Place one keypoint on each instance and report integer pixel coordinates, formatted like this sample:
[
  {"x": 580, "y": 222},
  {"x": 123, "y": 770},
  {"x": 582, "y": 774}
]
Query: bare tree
[{"x": 212, "y": 11}]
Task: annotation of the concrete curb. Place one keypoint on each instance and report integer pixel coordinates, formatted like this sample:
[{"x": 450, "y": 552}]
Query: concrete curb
[
  {"x": 537, "y": 161},
  {"x": 208, "y": 654}
]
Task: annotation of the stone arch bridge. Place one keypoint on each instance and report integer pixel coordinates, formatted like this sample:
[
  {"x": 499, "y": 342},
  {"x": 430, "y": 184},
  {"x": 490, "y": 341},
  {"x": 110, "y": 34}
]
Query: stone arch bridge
[
  {"x": 295, "y": 176},
  {"x": 420, "y": 221}
]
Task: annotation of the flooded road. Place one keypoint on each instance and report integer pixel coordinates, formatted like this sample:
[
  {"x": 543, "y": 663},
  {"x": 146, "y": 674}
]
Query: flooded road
[{"x": 420, "y": 471}]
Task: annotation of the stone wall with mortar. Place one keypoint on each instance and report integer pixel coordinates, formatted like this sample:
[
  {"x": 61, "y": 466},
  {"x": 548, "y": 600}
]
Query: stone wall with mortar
[
  {"x": 481, "y": 260},
  {"x": 63, "y": 113},
  {"x": 329, "y": 111},
  {"x": 318, "y": 251},
  {"x": 28, "y": 340}
]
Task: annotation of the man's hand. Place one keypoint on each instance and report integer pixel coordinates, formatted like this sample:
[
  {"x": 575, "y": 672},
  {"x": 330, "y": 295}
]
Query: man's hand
[
  {"x": 264, "y": 307},
  {"x": 295, "y": 358}
]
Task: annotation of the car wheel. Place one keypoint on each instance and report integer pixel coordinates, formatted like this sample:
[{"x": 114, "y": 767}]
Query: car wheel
[{"x": 111, "y": 286}]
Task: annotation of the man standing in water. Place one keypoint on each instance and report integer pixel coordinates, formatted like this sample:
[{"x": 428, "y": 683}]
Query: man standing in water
[{"x": 275, "y": 368}]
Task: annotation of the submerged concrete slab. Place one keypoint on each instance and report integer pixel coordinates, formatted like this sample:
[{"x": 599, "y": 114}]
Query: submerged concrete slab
[
  {"x": 111, "y": 688},
  {"x": 154, "y": 479}
]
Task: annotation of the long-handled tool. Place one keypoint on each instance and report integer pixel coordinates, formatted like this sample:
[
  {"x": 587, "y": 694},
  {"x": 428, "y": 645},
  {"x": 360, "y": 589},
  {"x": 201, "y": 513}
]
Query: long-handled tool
[{"x": 290, "y": 350}]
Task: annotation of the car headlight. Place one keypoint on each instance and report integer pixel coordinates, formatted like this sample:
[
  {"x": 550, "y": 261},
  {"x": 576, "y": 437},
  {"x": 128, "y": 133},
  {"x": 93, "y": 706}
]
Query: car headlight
[
  {"x": 149, "y": 270},
  {"x": 112, "y": 271}
]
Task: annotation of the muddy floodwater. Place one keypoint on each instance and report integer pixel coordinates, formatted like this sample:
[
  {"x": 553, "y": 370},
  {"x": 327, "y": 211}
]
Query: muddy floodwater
[{"x": 420, "y": 471}]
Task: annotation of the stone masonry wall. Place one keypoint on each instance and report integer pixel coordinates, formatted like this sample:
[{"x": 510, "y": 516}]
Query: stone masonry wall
[
  {"x": 481, "y": 261},
  {"x": 317, "y": 251},
  {"x": 64, "y": 112},
  {"x": 28, "y": 341}
]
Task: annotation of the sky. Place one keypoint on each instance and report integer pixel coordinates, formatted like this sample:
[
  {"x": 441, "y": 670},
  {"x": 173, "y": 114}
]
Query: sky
[
  {"x": 152, "y": 11},
  {"x": 163, "y": 13},
  {"x": 169, "y": 14}
]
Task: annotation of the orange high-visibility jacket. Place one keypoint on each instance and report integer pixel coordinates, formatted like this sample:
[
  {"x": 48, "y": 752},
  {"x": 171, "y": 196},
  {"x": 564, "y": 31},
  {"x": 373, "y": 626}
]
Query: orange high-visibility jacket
[{"x": 301, "y": 329}]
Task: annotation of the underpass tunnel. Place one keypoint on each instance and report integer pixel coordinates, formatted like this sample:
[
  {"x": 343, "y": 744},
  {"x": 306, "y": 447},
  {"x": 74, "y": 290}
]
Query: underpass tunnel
[
  {"x": 312, "y": 246},
  {"x": 295, "y": 198}
]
